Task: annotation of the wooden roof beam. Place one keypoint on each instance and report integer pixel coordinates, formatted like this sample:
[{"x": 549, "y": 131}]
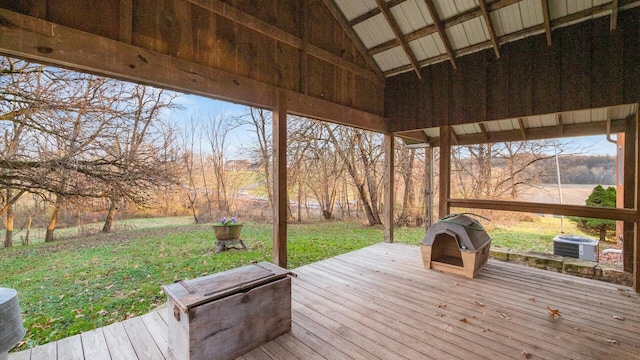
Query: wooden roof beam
[
  {"x": 373, "y": 12},
  {"x": 614, "y": 15},
  {"x": 560, "y": 125},
  {"x": 489, "y": 23},
  {"x": 339, "y": 16},
  {"x": 523, "y": 129},
  {"x": 445, "y": 40},
  {"x": 483, "y": 129},
  {"x": 547, "y": 22},
  {"x": 400, "y": 36}
]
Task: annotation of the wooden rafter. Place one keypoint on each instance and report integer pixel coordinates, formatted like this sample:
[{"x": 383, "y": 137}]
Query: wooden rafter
[
  {"x": 274, "y": 32},
  {"x": 614, "y": 15},
  {"x": 523, "y": 129},
  {"x": 440, "y": 27},
  {"x": 560, "y": 125},
  {"x": 339, "y": 16},
  {"x": 489, "y": 23},
  {"x": 373, "y": 12},
  {"x": 483, "y": 130},
  {"x": 454, "y": 136},
  {"x": 400, "y": 36},
  {"x": 547, "y": 21}
]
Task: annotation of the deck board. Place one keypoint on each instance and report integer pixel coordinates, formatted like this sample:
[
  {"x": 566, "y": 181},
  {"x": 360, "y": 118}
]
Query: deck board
[{"x": 380, "y": 303}]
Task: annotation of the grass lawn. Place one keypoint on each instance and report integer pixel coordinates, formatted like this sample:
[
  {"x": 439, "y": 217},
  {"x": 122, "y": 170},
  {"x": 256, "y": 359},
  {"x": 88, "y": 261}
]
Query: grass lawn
[{"x": 75, "y": 285}]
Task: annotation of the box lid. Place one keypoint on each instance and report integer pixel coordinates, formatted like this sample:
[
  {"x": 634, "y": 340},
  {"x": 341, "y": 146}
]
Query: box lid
[{"x": 191, "y": 293}]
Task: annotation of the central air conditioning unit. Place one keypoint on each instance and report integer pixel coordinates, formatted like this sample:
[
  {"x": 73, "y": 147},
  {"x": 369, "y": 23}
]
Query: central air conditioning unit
[{"x": 578, "y": 247}]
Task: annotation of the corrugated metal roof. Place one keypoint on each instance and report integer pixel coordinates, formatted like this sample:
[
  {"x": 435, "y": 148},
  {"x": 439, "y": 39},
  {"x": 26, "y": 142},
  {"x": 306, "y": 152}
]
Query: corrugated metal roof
[{"x": 523, "y": 17}]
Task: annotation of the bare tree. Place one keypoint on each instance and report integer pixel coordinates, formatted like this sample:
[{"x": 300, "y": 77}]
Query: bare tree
[{"x": 259, "y": 120}]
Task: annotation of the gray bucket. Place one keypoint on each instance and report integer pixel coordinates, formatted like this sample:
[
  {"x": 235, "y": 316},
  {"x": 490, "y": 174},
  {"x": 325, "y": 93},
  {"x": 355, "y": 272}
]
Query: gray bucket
[{"x": 11, "y": 329}]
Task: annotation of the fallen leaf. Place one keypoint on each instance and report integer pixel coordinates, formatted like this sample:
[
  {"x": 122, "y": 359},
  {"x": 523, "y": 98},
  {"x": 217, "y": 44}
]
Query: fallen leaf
[
  {"x": 526, "y": 354},
  {"x": 478, "y": 303},
  {"x": 441, "y": 305},
  {"x": 464, "y": 320},
  {"x": 611, "y": 341},
  {"x": 504, "y": 316},
  {"x": 554, "y": 312},
  {"x": 439, "y": 314},
  {"x": 484, "y": 330},
  {"x": 618, "y": 317},
  {"x": 533, "y": 298},
  {"x": 61, "y": 296}
]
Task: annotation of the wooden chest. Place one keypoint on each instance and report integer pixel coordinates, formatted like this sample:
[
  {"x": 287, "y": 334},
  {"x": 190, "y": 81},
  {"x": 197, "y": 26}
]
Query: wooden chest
[{"x": 225, "y": 315}]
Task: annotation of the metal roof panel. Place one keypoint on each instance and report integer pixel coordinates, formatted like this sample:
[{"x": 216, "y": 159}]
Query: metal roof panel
[
  {"x": 391, "y": 59},
  {"x": 374, "y": 31},
  {"x": 352, "y": 9},
  {"x": 411, "y": 15}
]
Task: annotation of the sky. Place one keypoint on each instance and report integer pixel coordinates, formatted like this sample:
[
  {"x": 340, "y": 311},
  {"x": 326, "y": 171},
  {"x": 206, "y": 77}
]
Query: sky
[{"x": 202, "y": 107}]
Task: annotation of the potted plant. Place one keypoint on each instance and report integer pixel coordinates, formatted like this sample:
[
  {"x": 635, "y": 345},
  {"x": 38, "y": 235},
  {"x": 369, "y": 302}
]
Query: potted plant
[
  {"x": 227, "y": 233},
  {"x": 227, "y": 229}
]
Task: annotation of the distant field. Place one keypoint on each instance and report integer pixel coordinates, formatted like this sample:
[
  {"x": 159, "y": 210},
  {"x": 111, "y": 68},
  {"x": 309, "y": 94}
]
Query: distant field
[{"x": 572, "y": 194}]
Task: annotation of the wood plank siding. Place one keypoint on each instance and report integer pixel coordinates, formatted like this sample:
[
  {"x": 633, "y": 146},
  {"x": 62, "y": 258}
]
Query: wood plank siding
[
  {"x": 587, "y": 67},
  {"x": 380, "y": 303},
  {"x": 231, "y": 50}
]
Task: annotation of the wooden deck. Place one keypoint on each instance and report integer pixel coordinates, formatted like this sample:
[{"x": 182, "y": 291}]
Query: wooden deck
[{"x": 379, "y": 303}]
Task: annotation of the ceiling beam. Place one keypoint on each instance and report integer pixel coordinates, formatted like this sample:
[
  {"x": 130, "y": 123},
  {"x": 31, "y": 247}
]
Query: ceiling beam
[
  {"x": 483, "y": 129},
  {"x": 489, "y": 23},
  {"x": 614, "y": 15},
  {"x": 413, "y": 136},
  {"x": 547, "y": 22},
  {"x": 560, "y": 125},
  {"x": 400, "y": 36},
  {"x": 243, "y": 19},
  {"x": 523, "y": 129},
  {"x": 373, "y": 12},
  {"x": 443, "y": 35},
  {"x": 339, "y": 16}
]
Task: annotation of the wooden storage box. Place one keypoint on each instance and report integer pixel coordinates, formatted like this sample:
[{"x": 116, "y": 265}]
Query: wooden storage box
[
  {"x": 225, "y": 315},
  {"x": 456, "y": 244}
]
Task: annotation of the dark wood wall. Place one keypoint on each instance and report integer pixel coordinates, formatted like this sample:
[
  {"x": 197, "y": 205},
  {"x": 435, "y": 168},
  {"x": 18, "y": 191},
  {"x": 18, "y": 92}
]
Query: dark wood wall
[
  {"x": 187, "y": 30},
  {"x": 587, "y": 66}
]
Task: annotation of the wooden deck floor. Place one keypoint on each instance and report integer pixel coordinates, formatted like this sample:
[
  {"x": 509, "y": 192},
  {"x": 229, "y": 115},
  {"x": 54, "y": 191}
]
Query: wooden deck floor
[{"x": 379, "y": 303}]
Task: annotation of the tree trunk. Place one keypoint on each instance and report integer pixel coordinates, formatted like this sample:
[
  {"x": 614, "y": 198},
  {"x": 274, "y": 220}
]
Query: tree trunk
[
  {"x": 52, "y": 224},
  {"x": 111, "y": 214},
  {"x": 25, "y": 240},
  {"x": 8, "y": 239}
]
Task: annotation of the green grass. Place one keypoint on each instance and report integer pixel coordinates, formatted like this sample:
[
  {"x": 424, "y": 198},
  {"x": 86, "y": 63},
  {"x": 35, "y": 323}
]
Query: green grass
[{"x": 75, "y": 285}]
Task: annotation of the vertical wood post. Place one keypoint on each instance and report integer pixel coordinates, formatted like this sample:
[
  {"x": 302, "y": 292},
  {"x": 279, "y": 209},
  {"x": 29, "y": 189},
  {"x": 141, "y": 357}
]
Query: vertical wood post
[
  {"x": 445, "y": 171},
  {"x": 636, "y": 237},
  {"x": 629, "y": 194},
  {"x": 428, "y": 187},
  {"x": 389, "y": 186},
  {"x": 279, "y": 149}
]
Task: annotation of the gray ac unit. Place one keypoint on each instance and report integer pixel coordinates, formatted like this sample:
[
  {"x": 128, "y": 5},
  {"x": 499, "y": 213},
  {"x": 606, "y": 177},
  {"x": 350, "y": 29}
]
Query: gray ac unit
[{"x": 574, "y": 246}]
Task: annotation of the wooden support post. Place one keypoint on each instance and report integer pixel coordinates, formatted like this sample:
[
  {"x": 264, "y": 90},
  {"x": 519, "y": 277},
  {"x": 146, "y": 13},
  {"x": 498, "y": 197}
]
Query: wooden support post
[
  {"x": 279, "y": 134},
  {"x": 428, "y": 187},
  {"x": 636, "y": 237},
  {"x": 445, "y": 171},
  {"x": 629, "y": 185},
  {"x": 389, "y": 186}
]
